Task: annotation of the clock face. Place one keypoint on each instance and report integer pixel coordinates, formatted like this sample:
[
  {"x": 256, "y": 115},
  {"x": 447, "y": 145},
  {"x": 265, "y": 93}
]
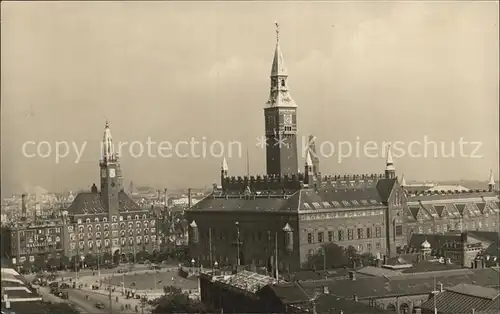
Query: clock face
[
  {"x": 287, "y": 119},
  {"x": 112, "y": 173},
  {"x": 103, "y": 173}
]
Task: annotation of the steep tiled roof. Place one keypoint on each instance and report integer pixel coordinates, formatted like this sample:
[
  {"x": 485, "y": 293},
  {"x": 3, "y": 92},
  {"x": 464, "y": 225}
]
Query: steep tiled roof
[
  {"x": 331, "y": 195},
  {"x": 463, "y": 298},
  {"x": 339, "y": 198},
  {"x": 404, "y": 284},
  {"x": 450, "y": 204},
  {"x": 251, "y": 203},
  {"x": 91, "y": 203}
]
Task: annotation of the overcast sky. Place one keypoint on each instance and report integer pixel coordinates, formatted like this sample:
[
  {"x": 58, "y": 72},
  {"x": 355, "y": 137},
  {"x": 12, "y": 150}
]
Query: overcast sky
[{"x": 394, "y": 71}]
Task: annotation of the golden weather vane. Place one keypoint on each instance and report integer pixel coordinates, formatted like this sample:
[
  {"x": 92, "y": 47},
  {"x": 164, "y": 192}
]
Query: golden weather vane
[{"x": 277, "y": 30}]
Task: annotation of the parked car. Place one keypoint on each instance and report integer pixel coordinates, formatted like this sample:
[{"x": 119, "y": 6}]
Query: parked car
[{"x": 99, "y": 305}]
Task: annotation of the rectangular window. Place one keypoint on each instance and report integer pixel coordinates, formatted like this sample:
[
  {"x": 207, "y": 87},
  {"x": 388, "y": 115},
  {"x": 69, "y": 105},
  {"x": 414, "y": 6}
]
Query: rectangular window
[
  {"x": 399, "y": 230},
  {"x": 369, "y": 246},
  {"x": 341, "y": 235},
  {"x": 438, "y": 228},
  {"x": 368, "y": 233},
  {"x": 377, "y": 245},
  {"x": 330, "y": 236},
  {"x": 360, "y": 233},
  {"x": 378, "y": 232},
  {"x": 310, "y": 238},
  {"x": 350, "y": 234},
  {"x": 320, "y": 237}
]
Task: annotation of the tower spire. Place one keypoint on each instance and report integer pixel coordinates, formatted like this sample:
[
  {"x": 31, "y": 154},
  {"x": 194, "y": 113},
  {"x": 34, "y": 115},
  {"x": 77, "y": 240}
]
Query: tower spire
[
  {"x": 390, "y": 171},
  {"x": 491, "y": 183},
  {"x": 279, "y": 95},
  {"x": 403, "y": 181},
  {"x": 108, "y": 151}
]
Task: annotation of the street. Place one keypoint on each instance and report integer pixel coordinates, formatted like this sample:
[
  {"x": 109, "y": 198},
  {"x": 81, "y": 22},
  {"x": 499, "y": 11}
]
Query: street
[{"x": 77, "y": 297}]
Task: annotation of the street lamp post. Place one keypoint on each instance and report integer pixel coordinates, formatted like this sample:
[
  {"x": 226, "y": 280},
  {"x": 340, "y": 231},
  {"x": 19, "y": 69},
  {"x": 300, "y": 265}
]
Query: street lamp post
[
  {"x": 237, "y": 224},
  {"x": 192, "y": 265}
]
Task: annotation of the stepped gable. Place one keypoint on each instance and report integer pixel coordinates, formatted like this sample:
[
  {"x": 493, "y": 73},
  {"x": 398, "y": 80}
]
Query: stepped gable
[{"x": 88, "y": 203}]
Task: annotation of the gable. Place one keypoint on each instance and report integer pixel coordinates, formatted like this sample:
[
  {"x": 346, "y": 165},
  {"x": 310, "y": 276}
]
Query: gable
[
  {"x": 422, "y": 215},
  {"x": 441, "y": 210},
  {"x": 482, "y": 207}
]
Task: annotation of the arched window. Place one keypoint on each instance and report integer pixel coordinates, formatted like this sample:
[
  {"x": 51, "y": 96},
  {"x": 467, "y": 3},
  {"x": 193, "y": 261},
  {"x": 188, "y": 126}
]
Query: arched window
[
  {"x": 136, "y": 217},
  {"x": 283, "y": 83},
  {"x": 87, "y": 220},
  {"x": 129, "y": 217},
  {"x": 96, "y": 219},
  {"x": 143, "y": 216},
  {"x": 121, "y": 218},
  {"x": 105, "y": 219}
]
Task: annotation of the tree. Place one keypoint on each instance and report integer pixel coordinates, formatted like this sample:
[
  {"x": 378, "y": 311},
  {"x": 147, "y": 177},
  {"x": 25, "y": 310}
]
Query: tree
[
  {"x": 330, "y": 255},
  {"x": 90, "y": 260},
  {"x": 40, "y": 262},
  {"x": 154, "y": 256},
  {"x": 142, "y": 256},
  {"x": 53, "y": 263},
  {"x": 64, "y": 262},
  {"x": 27, "y": 265},
  {"x": 178, "y": 302},
  {"x": 107, "y": 258}
]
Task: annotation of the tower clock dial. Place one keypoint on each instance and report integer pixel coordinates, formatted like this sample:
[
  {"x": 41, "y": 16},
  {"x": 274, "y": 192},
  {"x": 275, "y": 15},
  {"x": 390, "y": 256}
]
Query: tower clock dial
[
  {"x": 112, "y": 173},
  {"x": 287, "y": 119}
]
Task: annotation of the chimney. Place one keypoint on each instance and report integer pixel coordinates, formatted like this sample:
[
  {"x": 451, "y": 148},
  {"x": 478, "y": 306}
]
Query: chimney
[
  {"x": 352, "y": 275},
  {"x": 441, "y": 287},
  {"x": 189, "y": 198},
  {"x": 23, "y": 205}
]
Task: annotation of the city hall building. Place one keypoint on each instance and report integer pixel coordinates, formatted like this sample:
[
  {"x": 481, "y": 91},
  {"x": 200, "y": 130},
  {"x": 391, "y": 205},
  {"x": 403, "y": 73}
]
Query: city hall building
[{"x": 285, "y": 216}]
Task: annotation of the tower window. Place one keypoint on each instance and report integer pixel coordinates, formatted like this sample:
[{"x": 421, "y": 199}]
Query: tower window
[{"x": 283, "y": 83}]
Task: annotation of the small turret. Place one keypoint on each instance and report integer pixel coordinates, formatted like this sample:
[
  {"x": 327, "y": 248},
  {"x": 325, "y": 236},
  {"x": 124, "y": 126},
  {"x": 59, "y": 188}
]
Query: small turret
[
  {"x": 390, "y": 171},
  {"x": 403, "y": 181},
  {"x": 491, "y": 183}
]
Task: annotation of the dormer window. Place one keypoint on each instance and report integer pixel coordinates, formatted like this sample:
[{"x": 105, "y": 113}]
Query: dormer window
[
  {"x": 87, "y": 220},
  {"x": 96, "y": 220}
]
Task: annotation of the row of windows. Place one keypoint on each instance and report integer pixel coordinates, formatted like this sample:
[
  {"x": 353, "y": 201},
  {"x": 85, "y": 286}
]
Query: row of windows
[
  {"x": 138, "y": 224},
  {"x": 244, "y": 235},
  {"x": 340, "y": 235},
  {"x": 113, "y": 219},
  {"x": 455, "y": 226},
  {"x": 116, "y": 242},
  {"x": 114, "y": 234}
]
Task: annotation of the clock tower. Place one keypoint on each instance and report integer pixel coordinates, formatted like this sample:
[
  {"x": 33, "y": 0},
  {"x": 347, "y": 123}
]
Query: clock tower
[
  {"x": 110, "y": 174},
  {"x": 280, "y": 120}
]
